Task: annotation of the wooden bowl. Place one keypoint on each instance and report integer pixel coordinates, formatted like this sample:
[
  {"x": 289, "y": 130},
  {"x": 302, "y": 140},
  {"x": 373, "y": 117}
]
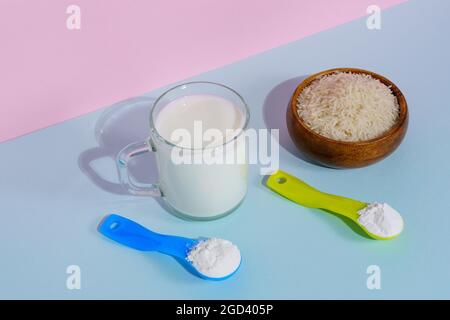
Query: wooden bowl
[{"x": 343, "y": 154}]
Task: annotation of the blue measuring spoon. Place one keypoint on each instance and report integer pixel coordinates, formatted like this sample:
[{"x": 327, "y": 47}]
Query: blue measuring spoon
[{"x": 133, "y": 235}]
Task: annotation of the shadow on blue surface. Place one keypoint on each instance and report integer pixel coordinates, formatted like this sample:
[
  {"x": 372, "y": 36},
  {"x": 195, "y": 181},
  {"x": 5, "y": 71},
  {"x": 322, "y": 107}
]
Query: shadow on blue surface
[
  {"x": 274, "y": 110},
  {"x": 119, "y": 125}
]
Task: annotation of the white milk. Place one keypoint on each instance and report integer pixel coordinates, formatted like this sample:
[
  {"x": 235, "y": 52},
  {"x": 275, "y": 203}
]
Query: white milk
[{"x": 200, "y": 190}]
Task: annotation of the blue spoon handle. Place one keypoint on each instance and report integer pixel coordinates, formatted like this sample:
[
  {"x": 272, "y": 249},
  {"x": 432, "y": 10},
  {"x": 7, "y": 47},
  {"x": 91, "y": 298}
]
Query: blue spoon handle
[{"x": 133, "y": 235}]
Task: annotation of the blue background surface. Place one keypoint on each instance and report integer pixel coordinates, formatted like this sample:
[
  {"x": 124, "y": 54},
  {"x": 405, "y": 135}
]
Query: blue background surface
[{"x": 56, "y": 185}]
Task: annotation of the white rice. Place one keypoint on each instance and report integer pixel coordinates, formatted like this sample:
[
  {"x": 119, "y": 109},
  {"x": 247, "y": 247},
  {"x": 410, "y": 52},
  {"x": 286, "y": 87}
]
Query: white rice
[{"x": 348, "y": 106}]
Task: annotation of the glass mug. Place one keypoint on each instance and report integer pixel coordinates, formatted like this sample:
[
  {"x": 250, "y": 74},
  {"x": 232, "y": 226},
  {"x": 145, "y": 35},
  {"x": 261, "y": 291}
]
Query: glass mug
[{"x": 197, "y": 191}]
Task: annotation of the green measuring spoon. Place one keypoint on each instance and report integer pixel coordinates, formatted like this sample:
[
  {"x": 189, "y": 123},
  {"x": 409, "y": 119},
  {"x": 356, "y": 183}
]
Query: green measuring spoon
[{"x": 300, "y": 192}]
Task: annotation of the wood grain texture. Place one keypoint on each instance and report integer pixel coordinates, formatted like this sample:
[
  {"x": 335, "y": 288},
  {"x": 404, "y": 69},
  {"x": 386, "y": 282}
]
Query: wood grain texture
[{"x": 343, "y": 154}]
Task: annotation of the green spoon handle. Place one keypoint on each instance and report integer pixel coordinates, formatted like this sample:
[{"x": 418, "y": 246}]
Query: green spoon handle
[{"x": 300, "y": 192}]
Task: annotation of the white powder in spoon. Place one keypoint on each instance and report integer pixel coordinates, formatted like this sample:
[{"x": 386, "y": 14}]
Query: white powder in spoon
[
  {"x": 215, "y": 258},
  {"x": 381, "y": 220}
]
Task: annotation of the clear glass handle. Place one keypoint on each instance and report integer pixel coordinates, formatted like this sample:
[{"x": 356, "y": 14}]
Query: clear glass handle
[{"x": 124, "y": 156}]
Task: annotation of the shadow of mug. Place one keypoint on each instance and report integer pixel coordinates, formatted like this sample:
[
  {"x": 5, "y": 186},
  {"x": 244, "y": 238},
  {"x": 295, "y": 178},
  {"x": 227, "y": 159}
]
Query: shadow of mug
[{"x": 118, "y": 126}]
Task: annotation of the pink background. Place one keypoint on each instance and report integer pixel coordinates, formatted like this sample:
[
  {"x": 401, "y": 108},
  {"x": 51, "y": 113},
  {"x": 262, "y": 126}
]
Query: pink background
[{"x": 127, "y": 47}]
